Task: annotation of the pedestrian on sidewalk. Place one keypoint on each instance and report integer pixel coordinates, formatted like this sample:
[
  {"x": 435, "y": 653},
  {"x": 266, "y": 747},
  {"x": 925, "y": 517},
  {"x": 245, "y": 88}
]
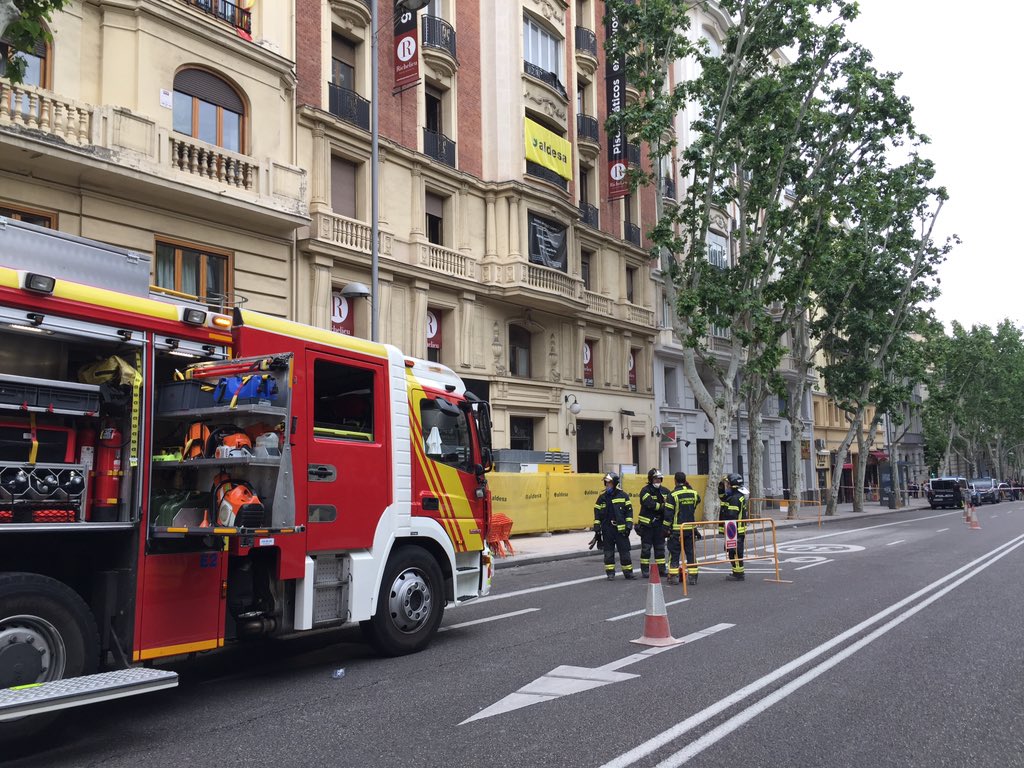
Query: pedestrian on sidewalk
[
  {"x": 734, "y": 507},
  {"x": 613, "y": 521},
  {"x": 682, "y": 506},
  {"x": 651, "y": 523}
]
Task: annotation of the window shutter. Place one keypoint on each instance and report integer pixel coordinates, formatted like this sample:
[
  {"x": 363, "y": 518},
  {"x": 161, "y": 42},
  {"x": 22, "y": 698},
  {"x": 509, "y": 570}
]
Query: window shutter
[
  {"x": 209, "y": 88},
  {"x": 6, "y": 47},
  {"x": 343, "y": 187},
  {"x": 343, "y": 50},
  {"x": 435, "y": 206}
]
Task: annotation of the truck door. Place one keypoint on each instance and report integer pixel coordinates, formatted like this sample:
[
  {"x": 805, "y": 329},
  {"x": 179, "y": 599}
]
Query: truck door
[
  {"x": 348, "y": 477},
  {"x": 446, "y": 485}
]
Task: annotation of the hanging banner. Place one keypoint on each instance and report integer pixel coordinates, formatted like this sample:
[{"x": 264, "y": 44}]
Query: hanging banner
[
  {"x": 632, "y": 370},
  {"x": 342, "y": 319},
  {"x": 588, "y": 363},
  {"x": 433, "y": 329},
  {"x": 548, "y": 149},
  {"x": 548, "y": 242},
  {"x": 615, "y": 97},
  {"x": 407, "y": 60}
]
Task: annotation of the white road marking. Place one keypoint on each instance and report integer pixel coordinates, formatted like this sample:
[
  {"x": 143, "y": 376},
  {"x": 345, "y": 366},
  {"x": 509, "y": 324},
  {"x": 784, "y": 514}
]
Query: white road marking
[
  {"x": 942, "y": 530},
  {"x": 720, "y": 732},
  {"x": 565, "y": 680},
  {"x": 637, "y": 613},
  {"x": 489, "y": 618},
  {"x": 643, "y": 750},
  {"x": 803, "y": 567},
  {"x": 544, "y": 588},
  {"x": 898, "y": 541}
]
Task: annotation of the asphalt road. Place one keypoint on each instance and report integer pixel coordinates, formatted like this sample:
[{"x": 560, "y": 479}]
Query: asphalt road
[{"x": 897, "y": 642}]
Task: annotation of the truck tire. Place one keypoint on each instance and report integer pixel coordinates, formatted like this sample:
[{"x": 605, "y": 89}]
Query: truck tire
[
  {"x": 410, "y": 603},
  {"x": 47, "y": 632}
]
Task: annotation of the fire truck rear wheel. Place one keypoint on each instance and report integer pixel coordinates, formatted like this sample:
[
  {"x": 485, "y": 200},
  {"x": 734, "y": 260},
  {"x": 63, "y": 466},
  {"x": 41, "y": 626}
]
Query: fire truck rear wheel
[
  {"x": 46, "y": 633},
  {"x": 410, "y": 604}
]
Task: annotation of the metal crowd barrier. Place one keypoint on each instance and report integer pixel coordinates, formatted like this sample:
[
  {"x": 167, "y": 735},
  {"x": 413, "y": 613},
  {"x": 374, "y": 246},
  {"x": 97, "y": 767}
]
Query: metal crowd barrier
[{"x": 759, "y": 544}]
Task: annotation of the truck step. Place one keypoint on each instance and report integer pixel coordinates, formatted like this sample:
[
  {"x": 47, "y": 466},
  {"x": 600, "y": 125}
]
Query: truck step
[{"x": 76, "y": 691}]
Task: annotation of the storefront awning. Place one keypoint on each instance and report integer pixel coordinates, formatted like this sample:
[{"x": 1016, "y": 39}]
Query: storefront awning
[
  {"x": 847, "y": 466},
  {"x": 880, "y": 455}
]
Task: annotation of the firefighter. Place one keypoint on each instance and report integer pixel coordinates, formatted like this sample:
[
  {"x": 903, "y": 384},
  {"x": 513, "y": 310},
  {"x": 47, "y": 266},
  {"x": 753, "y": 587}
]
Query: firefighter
[
  {"x": 613, "y": 521},
  {"x": 651, "y": 523},
  {"x": 734, "y": 507},
  {"x": 682, "y": 504}
]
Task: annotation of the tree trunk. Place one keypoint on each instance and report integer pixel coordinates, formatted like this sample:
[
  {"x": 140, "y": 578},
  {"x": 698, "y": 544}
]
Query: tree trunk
[
  {"x": 841, "y": 454},
  {"x": 862, "y": 469},
  {"x": 797, "y": 391},
  {"x": 755, "y": 449}
]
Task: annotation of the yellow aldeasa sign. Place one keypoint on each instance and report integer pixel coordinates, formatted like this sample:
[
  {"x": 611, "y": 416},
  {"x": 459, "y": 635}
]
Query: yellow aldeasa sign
[{"x": 547, "y": 148}]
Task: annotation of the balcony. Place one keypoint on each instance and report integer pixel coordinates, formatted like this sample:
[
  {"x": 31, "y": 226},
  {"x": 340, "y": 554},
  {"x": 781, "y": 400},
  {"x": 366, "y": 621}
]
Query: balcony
[
  {"x": 586, "y": 51},
  {"x": 35, "y": 109},
  {"x": 632, "y": 234},
  {"x": 633, "y": 154},
  {"x": 349, "y": 106},
  {"x": 211, "y": 162},
  {"x": 589, "y": 215},
  {"x": 237, "y": 17},
  {"x": 546, "y": 174},
  {"x": 548, "y": 78},
  {"x": 588, "y": 129},
  {"x": 534, "y": 286},
  {"x": 439, "y": 147},
  {"x": 598, "y": 304},
  {"x": 439, "y": 34},
  {"x": 668, "y": 188},
  {"x": 342, "y": 231},
  {"x": 639, "y": 315},
  {"x": 447, "y": 262}
]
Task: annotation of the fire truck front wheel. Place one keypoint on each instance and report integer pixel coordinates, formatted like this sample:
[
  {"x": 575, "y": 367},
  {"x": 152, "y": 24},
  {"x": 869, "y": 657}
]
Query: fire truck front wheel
[
  {"x": 410, "y": 603},
  {"x": 46, "y": 633}
]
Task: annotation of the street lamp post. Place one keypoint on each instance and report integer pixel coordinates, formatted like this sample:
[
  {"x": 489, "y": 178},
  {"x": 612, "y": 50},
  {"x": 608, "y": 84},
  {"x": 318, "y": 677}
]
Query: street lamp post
[{"x": 408, "y": 5}]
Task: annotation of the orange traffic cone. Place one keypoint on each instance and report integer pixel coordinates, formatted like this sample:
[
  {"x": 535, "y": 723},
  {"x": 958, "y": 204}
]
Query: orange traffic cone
[
  {"x": 656, "y": 629},
  {"x": 975, "y": 526}
]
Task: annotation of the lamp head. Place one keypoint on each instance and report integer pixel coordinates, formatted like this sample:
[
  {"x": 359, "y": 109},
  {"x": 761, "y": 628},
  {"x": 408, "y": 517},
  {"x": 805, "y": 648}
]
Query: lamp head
[
  {"x": 412, "y": 5},
  {"x": 574, "y": 406},
  {"x": 355, "y": 291}
]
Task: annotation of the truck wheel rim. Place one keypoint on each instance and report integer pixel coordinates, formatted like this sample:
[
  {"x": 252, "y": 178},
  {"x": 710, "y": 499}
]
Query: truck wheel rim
[
  {"x": 31, "y": 651},
  {"x": 410, "y": 601}
]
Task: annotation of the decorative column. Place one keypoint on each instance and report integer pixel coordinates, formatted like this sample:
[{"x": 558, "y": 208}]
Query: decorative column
[
  {"x": 418, "y": 326},
  {"x": 416, "y": 204},
  {"x": 320, "y": 171},
  {"x": 491, "y": 233},
  {"x": 463, "y": 219},
  {"x": 466, "y": 312},
  {"x": 513, "y": 227},
  {"x": 320, "y": 304}
]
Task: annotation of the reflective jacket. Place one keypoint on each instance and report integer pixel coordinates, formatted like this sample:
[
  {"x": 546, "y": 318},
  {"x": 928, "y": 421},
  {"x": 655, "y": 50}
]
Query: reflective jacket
[
  {"x": 613, "y": 511},
  {"x": 652, "y": 506},
  {"x": 734, "y": 507},
  {"x": 682, "y": 504}
]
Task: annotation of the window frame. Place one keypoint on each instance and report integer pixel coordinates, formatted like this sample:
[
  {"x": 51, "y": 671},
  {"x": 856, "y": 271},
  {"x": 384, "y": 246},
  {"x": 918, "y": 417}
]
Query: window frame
[
  {"x": 543, "y": 36},
  {"x": 513, "y": 358},
  {"x": 43, "y": 51},
  {"x": 179, "y": 246},
  {"x": 196, "y": 101},
  {"x": 18, "y": 212}
]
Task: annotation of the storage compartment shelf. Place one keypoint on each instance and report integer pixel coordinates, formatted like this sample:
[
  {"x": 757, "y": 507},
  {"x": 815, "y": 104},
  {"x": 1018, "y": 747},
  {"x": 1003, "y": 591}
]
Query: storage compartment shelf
[
  {"x": 250, "y": 409},
  {"x": 234, "y": 461},
  {"x": 79, "y": 526},
  {"x": 168, "y": 532}
]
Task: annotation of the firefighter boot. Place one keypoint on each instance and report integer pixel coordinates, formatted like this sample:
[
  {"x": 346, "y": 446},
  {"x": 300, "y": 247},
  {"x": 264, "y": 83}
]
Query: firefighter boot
[
  {"x": 673, "y": 579},
  {"x": 691, "y": 580},
  {"x": 611, "y": 575},
  {"x": 734, "y": 576}
]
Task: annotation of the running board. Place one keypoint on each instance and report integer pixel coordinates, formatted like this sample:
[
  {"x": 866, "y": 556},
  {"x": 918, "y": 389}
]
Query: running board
[{"x": 76, "y": 691}]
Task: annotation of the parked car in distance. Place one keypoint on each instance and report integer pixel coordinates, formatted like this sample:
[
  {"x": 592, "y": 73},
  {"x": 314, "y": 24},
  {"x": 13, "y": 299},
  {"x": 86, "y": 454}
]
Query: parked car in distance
[
  {"x": 1005, "y": 492},
  {"x": 947, "y": 492},
  {"x": 985, "y": 490}
]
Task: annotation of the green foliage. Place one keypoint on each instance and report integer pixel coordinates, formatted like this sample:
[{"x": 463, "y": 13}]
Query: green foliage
[{"x": 24, "y": 32}]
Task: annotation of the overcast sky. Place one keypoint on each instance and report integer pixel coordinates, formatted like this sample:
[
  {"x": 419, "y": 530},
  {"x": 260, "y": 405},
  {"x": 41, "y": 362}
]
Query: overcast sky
[{"x": 960, "y": 62}]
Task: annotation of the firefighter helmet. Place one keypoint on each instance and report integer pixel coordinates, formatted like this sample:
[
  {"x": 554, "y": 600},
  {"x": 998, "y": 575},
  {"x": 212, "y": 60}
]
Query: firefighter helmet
[
  {"x": 735, "y": 480},
  {"x": 654, "y": 474},
  {"x": 612, "y": 478}
]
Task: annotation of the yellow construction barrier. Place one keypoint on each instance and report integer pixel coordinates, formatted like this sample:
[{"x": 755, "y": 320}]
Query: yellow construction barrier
[
  {"x": 523, "y": 498},
  {"x": 759, "y": 544}
]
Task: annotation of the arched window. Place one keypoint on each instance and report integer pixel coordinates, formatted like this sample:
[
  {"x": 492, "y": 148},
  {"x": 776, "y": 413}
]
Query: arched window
[
  {"x": 208, "y": 109},
  {"x": 36, "y": 62}
]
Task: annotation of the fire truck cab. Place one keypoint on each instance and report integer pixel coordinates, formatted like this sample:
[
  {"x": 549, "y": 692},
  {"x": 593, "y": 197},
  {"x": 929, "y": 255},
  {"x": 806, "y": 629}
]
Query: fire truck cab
[{"x": 176, "y": 479}]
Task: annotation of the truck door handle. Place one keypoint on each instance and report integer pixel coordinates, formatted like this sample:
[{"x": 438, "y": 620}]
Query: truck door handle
[{"x": 322, "y": 473}]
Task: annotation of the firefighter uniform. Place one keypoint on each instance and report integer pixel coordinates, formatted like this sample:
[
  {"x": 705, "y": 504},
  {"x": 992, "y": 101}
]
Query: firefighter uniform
[
  {"x": 734, "y": 507},
  {"x": 613, "y": 521},
  {"x": 651, "y": 523},
  {"x": 683, "y": 503}
]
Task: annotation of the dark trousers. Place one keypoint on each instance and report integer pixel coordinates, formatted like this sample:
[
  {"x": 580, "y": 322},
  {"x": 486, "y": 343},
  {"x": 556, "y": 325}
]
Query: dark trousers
[
  {"x": 736, "y": 555},
  {"x": 613, "y": 540},
  {"x": 652, "y": 537},
  {"x": 672, "y": 544}
]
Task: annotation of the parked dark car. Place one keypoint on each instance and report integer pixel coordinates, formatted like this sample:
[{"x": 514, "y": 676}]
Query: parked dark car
[
  {"x": 986, "y": 490},
  {"x": 946, "y": 492},
  {"x": 1005, "y": 492}
]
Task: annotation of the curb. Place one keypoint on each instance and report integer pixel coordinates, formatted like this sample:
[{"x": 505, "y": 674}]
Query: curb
[{"x": 502, "y": 563}]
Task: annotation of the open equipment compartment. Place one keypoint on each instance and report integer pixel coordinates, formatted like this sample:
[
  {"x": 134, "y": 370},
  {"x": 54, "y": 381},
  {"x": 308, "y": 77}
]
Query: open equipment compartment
[{"x": 222, "y": 459}]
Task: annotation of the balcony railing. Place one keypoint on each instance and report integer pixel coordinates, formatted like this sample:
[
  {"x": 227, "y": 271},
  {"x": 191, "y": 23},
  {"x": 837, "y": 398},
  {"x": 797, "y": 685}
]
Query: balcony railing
[
  {"x": 343, "y": 231},
  {"x": 550, "y": 78},
  {"x": 587, "y": 128},
  {"x": 438, "y": 33},
  {"x": 639, "y": 315},
  {"x": 589, "y": 215},
  {"x": 586, "y": 41},
  {"x": 633, "y": 234},
  {"x": 633, "y": 154},
  {"x": 349, "y": 106},
  {"x": 41, "y": 110},
  {"x": 439, "y": 147},
  {"x": 669, "y": 188},
  {"x": 210, "y": 162},
  {"x": 598, "y": 304},
  {"x": 535, "y": 169},
  {"x": 230, "y": 12},
  {"x": 551, "y": 280},
  {"x": 447, "y": 261}
]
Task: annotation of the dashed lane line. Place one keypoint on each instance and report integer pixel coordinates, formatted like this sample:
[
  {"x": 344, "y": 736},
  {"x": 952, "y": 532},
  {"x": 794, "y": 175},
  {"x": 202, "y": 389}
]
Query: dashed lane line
[{"x": 489, "y": 618}]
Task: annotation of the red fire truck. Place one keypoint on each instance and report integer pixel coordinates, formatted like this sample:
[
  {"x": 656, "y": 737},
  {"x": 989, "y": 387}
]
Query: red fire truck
[{"x": 174, "y": 480}]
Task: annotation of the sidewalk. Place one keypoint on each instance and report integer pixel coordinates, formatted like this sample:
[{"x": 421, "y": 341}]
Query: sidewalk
[{"x": 544, "y": 547}]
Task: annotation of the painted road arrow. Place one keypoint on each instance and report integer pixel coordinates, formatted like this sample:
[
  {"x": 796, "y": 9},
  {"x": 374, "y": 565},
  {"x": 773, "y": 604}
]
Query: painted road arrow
[{"x": 566, "y": 680}]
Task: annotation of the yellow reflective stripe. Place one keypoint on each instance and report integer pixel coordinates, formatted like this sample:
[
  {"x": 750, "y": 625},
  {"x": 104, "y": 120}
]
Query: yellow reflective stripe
[{"x": 175, "y": 650}]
